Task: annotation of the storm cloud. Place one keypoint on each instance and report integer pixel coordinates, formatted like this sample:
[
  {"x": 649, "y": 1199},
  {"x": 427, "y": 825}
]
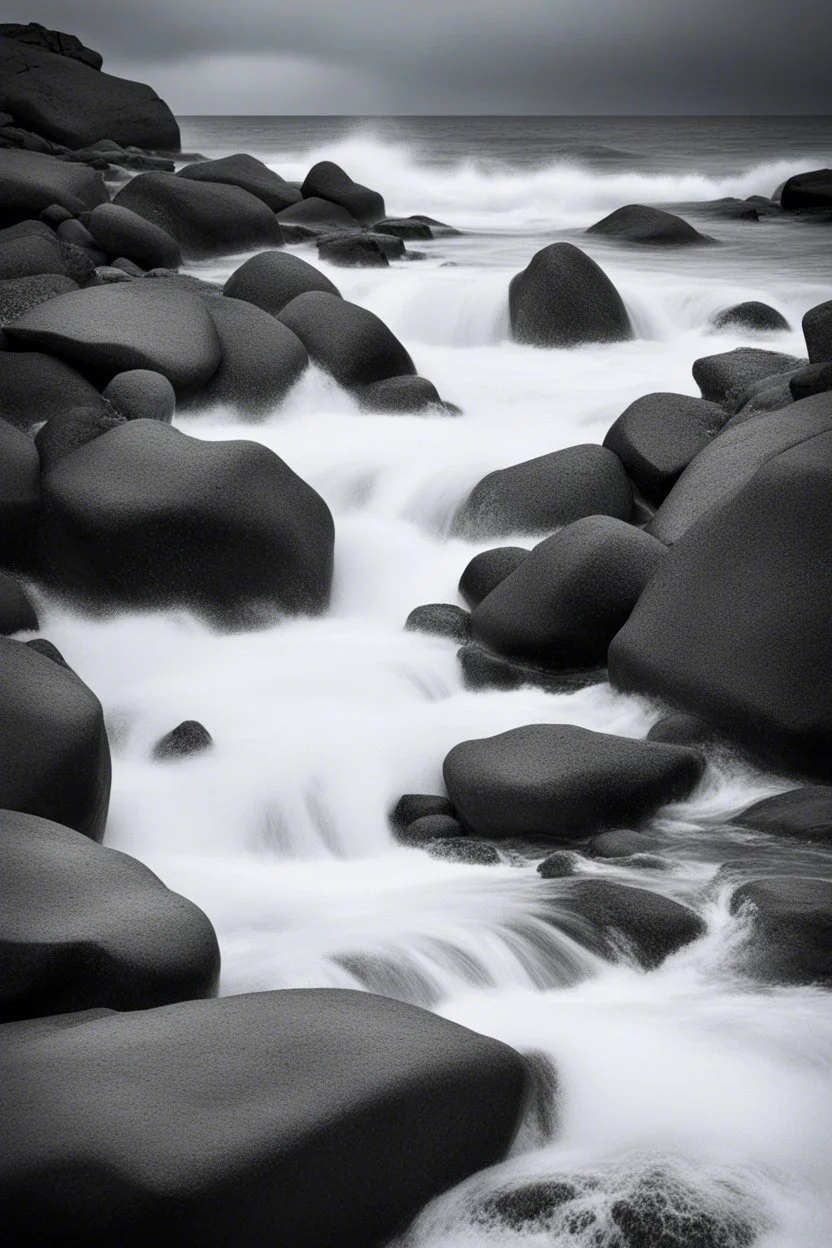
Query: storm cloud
[{"x": 462, "y": 56}]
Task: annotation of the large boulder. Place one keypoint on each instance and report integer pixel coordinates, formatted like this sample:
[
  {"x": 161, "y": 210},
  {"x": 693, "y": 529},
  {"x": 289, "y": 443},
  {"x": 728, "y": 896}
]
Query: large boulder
[
  {"x": 72, "y": 103},
  {"x": 121, "y": 233},
  {"x": 84, "y": 927},
  {"x": 261, "y": 359},
  {"x": 35, "y": 387},
  {"x": 566, "y": 601},
  {"x": 326, "y": 180},
  {"x": 564, "y": 299},
  {"x": 313, "y": 217},
  {"x": 16, "y": 611},
  {"x": 658, "y": 435},
  {"x": 66, "y": 432},
  {"x": 652, "y": 227},
  {"x": 54, "y": 754},
  {"x": 752, "y": 315},
  {"x": 272, "y": 279},
  {"x": 790, "y": 937},
  {"x": 309, "y": 1117},
  {"x": 20, "y": 294},
  {"x": 19, "y": 492},
  {"x": 487, "y": 569},
  {"x": 557, "y": 782},
  {"x": 813, "y": 379},
  {"x": 545, "y": 493},
  {"x": 731, "y": 459},
  {"x": 32, "y": 181},
  {"x": 56, "y": 41},
  {"x": 723, "y": 378},
  {"x": 247, "y": 172},
  {"x": 205, "y": 218},
  {"x": 808, "y": 192},
  {"x": 804, "y": 814},
  {"x": 26, "y": 251},
  {"x": 734, "y": 626},
  {"x": 106, "y": 330},
  {"x": 348, "y": 341},
  {"x": 817, "y": 330},
  {"x": 148, "y": 517}
]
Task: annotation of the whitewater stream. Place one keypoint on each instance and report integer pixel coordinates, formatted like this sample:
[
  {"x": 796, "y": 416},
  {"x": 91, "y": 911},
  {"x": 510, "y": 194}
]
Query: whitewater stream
[{"x": 689, "y": 1081}]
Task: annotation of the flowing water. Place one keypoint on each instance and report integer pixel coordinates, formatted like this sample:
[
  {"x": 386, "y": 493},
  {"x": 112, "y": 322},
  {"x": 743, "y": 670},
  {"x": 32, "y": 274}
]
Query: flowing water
[{"x": 689, "y": 1085}]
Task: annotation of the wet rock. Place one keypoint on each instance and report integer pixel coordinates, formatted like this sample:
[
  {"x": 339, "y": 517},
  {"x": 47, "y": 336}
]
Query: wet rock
[
  {"x": 120, "y": 232},
  {"x": 804, "y": 814},
  {"x": 66, "y": 432},
  {"x": 658, "y": 435},
  {"x": 483, "y": 669},
  {"x": 349, "y": 342},
  {"x": 407, "y": 228},
  {"x": 108, "y": 276},
  {"x": 442, "y": 619},
  {"x": 558, "y": 865},
  {"x": 16, "y": 611},
  {"x": 79, "y": 236},
  {"x": 769, "y": 395},
  {"x": 273, "y": 279},
  {"x": 413, "y": 806},
  {"x": 652, "y": 227},
  {"x": 753, "y": 315},
  {"x": 353, "y": 251},
  {"x": 32, "y": 181},
  {"x": 86, "y": 927},
  {"x": 326, "y": 180},
  {"x": 563, "y": 605},
  {"x": 20, "y": 294},
  {"x": 814, "y": 379},
  {"x": 301, "y": 1110},
  {"x": 313, "y": 217},
  {"x": 19, "y": 493},
  {"x": 722, "y": 378},
  {"x": 620, "y": 843},
  {"x": 555, "y": 781},
  {"x": 27, "y": 252},
  {"x": 487, "y": 569},
  {"x": 790, "y": 939},
  {"x": 223, "y": 528},
  {"x": 681, "y": 729},
  {"x": 564, "y": 299},
  {"x": 612, "y": 918},
  {"x": 430, "y": 828},
  {"x": 439, "y": 229},
  {"x": 54, "y": 755},
  {"x": 662, "y": 1213},
  {"x": 817, "y": 330},
  {"x": 186, "y": 739},
  {"x": 808, "y": 192},
  {"x": 249, "y": 174},
  {"x": 35, "y": 387},
  {"x": 546, "y": 493},
  {"x": 140, "y": 394},
  {"x": 205, "y": 218},
  {"x": 463, "y": 849},
  {"x": 405, "y": 395}
]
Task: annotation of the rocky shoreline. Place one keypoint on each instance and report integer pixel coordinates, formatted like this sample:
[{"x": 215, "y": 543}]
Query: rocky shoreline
[{"x": 687, "y": 559}]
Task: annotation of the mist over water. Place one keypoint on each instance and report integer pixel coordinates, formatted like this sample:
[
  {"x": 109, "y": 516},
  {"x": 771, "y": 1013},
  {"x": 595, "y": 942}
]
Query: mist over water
[{"x": 689, "y": 1080}]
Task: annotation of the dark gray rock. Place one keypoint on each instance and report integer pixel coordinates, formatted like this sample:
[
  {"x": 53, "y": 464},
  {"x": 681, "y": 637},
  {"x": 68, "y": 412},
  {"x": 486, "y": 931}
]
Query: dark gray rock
[
  {"x": 681, "y": 729},
  {"x": 487, "y": 569},
  {"x": 347, "y": 341},
  {"x": 555, "y": 781},
  {"x": 808, "y": 192},
  {"x": 558, "y": 865},
  {"x": 19, "y": 492},
  {"x": 817, "y": 330},
  {"x": 32, "y": 181},
  {"x": 326, "y": 180},
  {"x": 613, "y": 919},
  {"x": 247, "y": 172},
  {"x": 407, "y": 228},
  {"x": 722, "y": 378},
  {"x": 546, "y": 493},
  {"x": 463, "y": 849},
  {"x": 658, "y": 435},
  {"x": 108, "y": 275},
  {"x": 483, "y": 669},
  {"x": 734, "y": 625},
  {"x": 564, "y": 299},
  {"x": 753, "y": 315},
  {"x": 122, "y": 233},
  {"x": 85, "y": 927},
  {"x": 111, "y": 329},
  {"x": 186, "y": 739},
  {"x": 54, "y": 215},
  {"x": 66, "y": 432},
  {"x": 35, "y": 35},
  {"x": 404, "y": 395},
  {"x": 127, "y": 267},
  {"x": 17, "y": 614},
  {"x": 443, "y": 619},
  {"x": 651, "y": 227},
  {"x": 78, "y": 235},
  {"x": 439, "y": 229},
  {"x": 353, "y": 251},
  {"x": 620, "y": 843},
  {"x": 790, "y": 939},
  {"x": 769, "y": 395},
  {"x": 273, "y": 279},
  {"x": 814, "y": 379},
  {"x": 224, "y": 528},
  {"x": 205, "y": 218},
  {"x": 140, "y": 394},
  {"x": 430, "y": 828},
  {"x": 26, "y": 252},
  {"x": 313, "y": 217},
  {"x": 804, "y": 814},
  {"x": 413, "y": 806},
  {"x": 54, "y": 755},
  {"x": 290, "y": 1117},
  {"x": 35, "y": 387},
  {"x": 19, "y": 294}
]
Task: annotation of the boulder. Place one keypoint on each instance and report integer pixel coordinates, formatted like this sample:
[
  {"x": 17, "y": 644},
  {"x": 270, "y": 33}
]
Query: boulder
[
  {"x": 752, "y": 315},
  {"x": 56, "y": 41},
  {"x": 85, "y": 927},
  {"x": 205, "y": 218},
  {"x": 326, "y": 180},
  {"x": 442, "y": 619},
  {"x": 681, "y": 729},
  {"x": 413, "y": 806},
  {"x": 54, "y": 754},
  {"x": 107, "y": 330},
  {"x": 658, "y": 435},
  {"x": 621, "y": 843},
  {"x": 803, "y": 814},
  {"x": 546, "y": 493},
  {"x": 140, "y": 394},
  {"x": 769, "y": 395},
  {"x": 817, "y": 330},
  {"x": 35, "y": 387},
  {"x": 122, "y": 233},
  {"x": 261, "y": 360},
  {"x": 729, "y": 462},
  {"x": 722, "y": 378},
  {"x": 272, "y": 279},
  {"x": 814, "y": 379},
  {"x": 487, "y": 569},
  {"x": 652, "y": 227},
  {"x": 430, "y": 828},
  {"x": 404, "y": 396},
  {"x": 19, "y": 492},
  {"x": 289, "y": 1117},
  {"x": 149, "y": 518},
  {"x": 409, "y": 229},
  {"x": 78, "y": 235},
  {"x": 313, "y": 217},
  {"x": 564, "y": 604},
  {"x": 33, "y": 181},
  {"x": 17, "y": 615},
  {"x": 559, "y": 865},
  {"x": 67, "y": 431},
  {"x": 808, "y": 192},
  {"x": 186, "y": 739},
  {"x": 483, "y": 669},
  {"x": 107, "y": 275},
  {"x": 790, "y": 938},
  {"x": 613, "y": 919},
  {"x": 26, "y": 252},
  {"x": 564, "y": 299},
  {"x": 54, "y": 215},
  {"x": 347, "y": 341},
  {"x": 72, "y": 103},
  {"x": 247, "y": 172},
  {"x": 353, "y": 251},
  {"x": 556, "y": 782},
  {"x": 439, "y": 229},
  {"x": 734, "y": 626},
  {"x": 19, "y": 294}
]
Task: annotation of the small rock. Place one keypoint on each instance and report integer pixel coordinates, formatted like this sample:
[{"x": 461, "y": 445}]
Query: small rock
[
  {"x": 187, "y": 739},
  {"x": 443, "y": 619}
]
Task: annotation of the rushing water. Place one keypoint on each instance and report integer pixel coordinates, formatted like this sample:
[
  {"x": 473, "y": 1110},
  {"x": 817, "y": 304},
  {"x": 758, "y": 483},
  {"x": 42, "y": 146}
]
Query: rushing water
[{"x": 687, "y": 1083}]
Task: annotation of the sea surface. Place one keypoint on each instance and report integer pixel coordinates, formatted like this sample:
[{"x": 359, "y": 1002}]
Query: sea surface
[{"x": 689, "y": 1083}]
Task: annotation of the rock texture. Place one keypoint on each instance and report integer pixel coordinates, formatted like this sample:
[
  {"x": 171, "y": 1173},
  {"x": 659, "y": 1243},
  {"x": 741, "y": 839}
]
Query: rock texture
[{"x": 564, "y": 299}]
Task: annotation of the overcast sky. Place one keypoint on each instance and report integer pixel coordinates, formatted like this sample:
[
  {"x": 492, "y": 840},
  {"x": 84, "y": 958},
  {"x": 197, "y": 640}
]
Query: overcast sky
[{"x": 461, "y": 56}]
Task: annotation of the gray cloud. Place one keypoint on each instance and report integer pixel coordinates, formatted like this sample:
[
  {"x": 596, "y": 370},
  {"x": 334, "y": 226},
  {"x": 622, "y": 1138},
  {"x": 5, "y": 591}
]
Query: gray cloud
[{"x": 435, "y": 56}]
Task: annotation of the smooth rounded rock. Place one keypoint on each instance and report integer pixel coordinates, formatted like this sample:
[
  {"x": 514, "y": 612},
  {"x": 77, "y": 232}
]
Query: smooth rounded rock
[
  {"x": 803, "y": 814},
  {"x": 184, "y": 741},
  {"x": 35, "y": 387},
  {"x": 141, "y": 394},
  {"x": 753, "y": 315},
  {"x": 122, "y": 233},
  {"x": 814, "y": 379},
  {"x": 722, "y": 378},
  {"x": 313, "y": 217},
  {"x": 413, "y": 806},
  {"x": 349, "y": 342},
  {"x": 681, "y": 729},
  {"x": 18, "y": 295},
  {"x": 658, "y": 435},
  {"x": 650, "y": 227},
  {"x": 272, "y": 279},
  {"x": 817, "y": 330},
  {"x": 353, "y": 251},
  {"x": 564, "y": 299},
  {"x": 790, "y": 938},
  {"x": 808, "y": 192},
  {"x": 409, "y": 229},
  {"x": 32, "y": 181},
  {"x": 441, "y": 619},
  {"x": 430, "y": 828},
  {"x": 17, "y": 615},
  {"x": 326, "y": 180},
  {"x": 487, "y": 569},
  {"x": 247, "y": 172},
  {"x": 67, "y": 432},
  {"x": 31, "y": 254},
  {"x": 404, "y": 396}
]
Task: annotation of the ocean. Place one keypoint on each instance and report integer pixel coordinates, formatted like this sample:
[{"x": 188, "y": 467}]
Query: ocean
[{"x": 689, "y": 1082}]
